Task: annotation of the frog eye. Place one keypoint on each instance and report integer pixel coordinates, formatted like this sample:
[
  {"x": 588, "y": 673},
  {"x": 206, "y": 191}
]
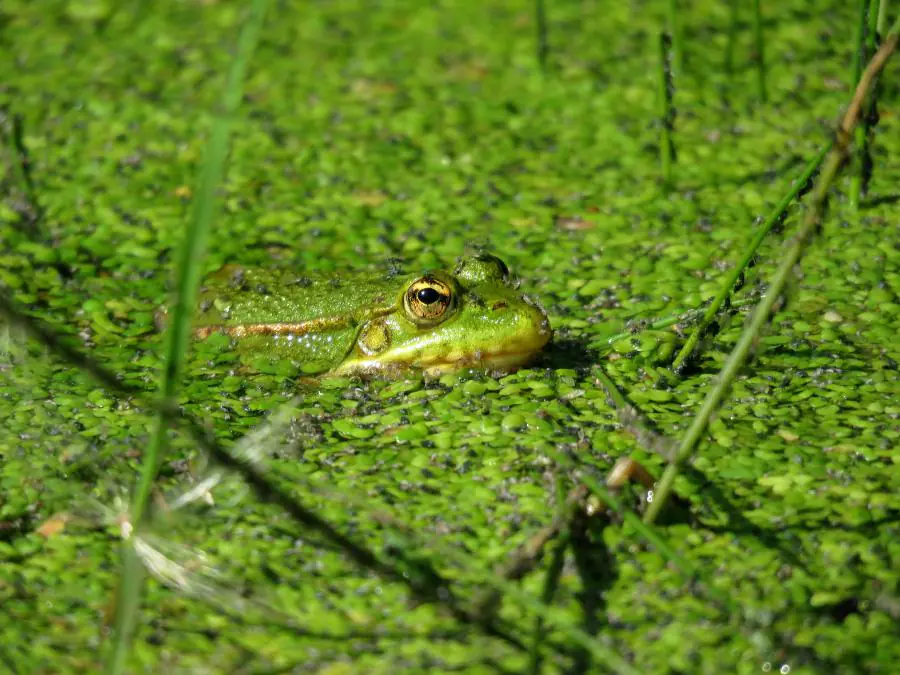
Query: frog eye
[{"x": 428, "y": 300}]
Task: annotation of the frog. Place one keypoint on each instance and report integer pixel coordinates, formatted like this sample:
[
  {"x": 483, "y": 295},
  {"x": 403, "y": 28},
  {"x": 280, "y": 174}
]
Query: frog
[{"x": 383, "y": 325}]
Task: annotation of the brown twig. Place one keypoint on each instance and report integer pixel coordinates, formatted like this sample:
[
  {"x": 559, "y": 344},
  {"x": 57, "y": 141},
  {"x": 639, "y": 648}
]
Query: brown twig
[{"x": 876, "y": 65}]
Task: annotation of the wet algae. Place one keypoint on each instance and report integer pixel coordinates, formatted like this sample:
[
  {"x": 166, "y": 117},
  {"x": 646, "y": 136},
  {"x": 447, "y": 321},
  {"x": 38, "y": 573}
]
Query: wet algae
[{"x": 414, "y": 133}]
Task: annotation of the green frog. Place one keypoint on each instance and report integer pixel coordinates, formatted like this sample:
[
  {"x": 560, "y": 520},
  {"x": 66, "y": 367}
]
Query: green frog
[{"x": 371, "y": 325}]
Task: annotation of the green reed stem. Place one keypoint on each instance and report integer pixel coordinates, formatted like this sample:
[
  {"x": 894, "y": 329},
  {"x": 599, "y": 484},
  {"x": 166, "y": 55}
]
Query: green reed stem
[
  {"x": 859, "y": 41},
  {"x": 550, "y": 615},
  {"x": 424, "y": 545},
  {"x": 811, "y": 223},
  {"x": 190, "y": 263},
  {"x": 192, "y": 249},
  {"x": 178, "y": 334},
  {"x": 618, "y": 400},
  {"x": 688, "y": 318},
  {"x": 4, "y": 342},
  {"x": 551, "y": 584},
  {"x": 666, "y": 93},
  {"x": 614, "y": 503},
  {"x": 873, "y": 29},
  {"x": 862, "y": 160},
  {"x": 262, "y": 486},
  {"x": 760, "y": 51},
  {"x": 775, "y": 217},
  {"x": 13, "y": 136},
  {"x": 881, "y": 21},
  {"x": 552, "y": 576},
  {"x": 859, "y": 57},
  {"x": 728, "y": 64}
]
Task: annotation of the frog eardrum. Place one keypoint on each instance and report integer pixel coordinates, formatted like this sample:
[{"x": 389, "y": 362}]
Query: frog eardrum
[{"x": 429, "y": 300}]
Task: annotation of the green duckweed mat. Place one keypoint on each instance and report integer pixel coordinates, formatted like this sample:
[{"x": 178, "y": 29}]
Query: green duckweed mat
[{"x": 416, "y": 131}]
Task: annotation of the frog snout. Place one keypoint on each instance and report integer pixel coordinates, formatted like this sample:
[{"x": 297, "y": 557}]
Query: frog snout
[{"x": 534, "y": 326}]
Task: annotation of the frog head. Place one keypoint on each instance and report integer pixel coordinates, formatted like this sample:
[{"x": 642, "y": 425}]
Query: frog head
[{"x": 441, "y": 322}]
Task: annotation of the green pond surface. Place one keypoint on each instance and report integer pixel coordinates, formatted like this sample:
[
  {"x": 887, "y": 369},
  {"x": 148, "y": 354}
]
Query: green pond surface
[{"x": 413, "y": 131}]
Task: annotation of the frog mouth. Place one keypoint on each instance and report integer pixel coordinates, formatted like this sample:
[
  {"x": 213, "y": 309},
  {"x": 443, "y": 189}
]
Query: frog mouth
[
  {"x": 514, "y": 354},
  {"x": 506, "y": 361},
  {"x": 517, "y": 355}
]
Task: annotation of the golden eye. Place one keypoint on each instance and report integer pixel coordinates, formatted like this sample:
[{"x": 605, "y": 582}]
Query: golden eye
[{"x": 428, "y": 300}]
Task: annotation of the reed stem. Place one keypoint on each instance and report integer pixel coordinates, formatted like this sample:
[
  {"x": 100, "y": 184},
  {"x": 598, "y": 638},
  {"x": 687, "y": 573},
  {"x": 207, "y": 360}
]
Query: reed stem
[
  {"x": 760, "y": 51},
  {"x": 775, "y": 217},
  {"x": 667, "y": 109},
  {"x": 811, "y": 223}
]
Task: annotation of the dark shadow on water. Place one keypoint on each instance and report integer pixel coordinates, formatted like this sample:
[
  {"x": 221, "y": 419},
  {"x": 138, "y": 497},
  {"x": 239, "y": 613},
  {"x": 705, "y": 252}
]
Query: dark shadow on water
[
  {"x": 870, "y": 527},
  {"x": 872, "y": 202},
  {"x": 597, "y": 572},
  {"x": 567, "y": 353},
  {"x": 774, "y": 353},
  {"x": 784, "y": 543},
  {"x": 783, "y": 171},
  {"x": 738, "y": 523}
]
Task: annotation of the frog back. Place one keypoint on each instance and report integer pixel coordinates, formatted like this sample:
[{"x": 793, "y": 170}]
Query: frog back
[{"x": 278, "y": 313}]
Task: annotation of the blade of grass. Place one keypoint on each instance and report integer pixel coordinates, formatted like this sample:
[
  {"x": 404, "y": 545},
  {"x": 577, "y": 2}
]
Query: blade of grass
[
  {"x": 551, "y": 583},
  {"x": 386, "y": 515},
  {"x": 178, "y": 334},
  {"x": 13, "y": 140},
  {"x": 264, "y": 488},
  {"x": 775, "y": 217},
  {"x": 859, "y": 44},
  {"x": 728, "y": 65},
  {"x": 759, "y": 43},
  {"x": 666, "y": 93},
  {"x": 865, "y": 131},
  {"x": 642, "y": 529},
  {"x": 548, "y": 614},
  {"x": 193, "y": 247},
  {"x": 859, "y": 56},
  {"x": 811, "y": 223},
  {"x": 686, "y": 319},
  {"x": 551, "y": 579}
]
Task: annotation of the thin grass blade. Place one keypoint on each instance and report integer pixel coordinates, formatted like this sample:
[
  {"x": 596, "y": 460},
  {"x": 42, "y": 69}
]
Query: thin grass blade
[
  {"x": 189, "y": 271},
  {"x": 812, "y": 221}
]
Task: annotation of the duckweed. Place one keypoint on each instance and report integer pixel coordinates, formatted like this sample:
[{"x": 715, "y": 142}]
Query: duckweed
[{"x": 422, "y": 131}]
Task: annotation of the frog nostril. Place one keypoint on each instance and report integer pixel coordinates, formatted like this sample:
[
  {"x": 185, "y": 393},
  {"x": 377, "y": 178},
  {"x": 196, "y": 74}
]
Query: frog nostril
[{"x": 500, "y": 304}]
